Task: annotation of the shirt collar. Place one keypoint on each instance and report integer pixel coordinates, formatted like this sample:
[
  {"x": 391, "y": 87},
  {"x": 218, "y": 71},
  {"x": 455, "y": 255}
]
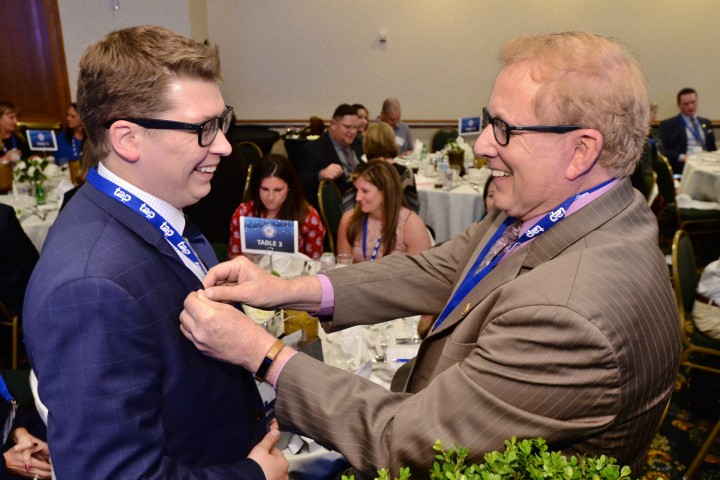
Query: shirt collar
[{"x": 174, "y": 216}]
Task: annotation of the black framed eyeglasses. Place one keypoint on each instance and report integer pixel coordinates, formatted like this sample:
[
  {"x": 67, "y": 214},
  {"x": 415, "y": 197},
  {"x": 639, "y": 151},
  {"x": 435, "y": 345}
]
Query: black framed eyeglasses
[
  {"x": 206, "y": 131},
  {"x": 502, "y": 129}
]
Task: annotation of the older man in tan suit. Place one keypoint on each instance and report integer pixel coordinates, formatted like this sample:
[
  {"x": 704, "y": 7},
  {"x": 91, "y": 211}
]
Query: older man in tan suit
[{"x": 570, "y": 333}]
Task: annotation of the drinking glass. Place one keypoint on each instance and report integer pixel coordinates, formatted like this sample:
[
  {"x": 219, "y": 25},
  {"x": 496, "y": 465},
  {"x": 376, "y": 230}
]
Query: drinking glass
[
  {"x": 327, "y": 261},
  {"x": 344, "y": 259}
]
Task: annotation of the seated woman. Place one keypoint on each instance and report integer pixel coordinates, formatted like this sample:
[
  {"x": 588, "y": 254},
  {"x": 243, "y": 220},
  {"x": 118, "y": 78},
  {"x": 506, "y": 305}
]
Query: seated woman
[
  {"x": 379, "y": 143},
  {"x": 72, "y": 140},
  {"x": 14, "y": 146},
  {"x": 276, "y": 192},
  {"x": 379, "y": 224}
]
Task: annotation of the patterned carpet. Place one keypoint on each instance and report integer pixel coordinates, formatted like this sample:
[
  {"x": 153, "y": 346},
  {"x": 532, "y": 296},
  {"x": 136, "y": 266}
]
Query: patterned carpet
[{"x": 692, "y": 415}]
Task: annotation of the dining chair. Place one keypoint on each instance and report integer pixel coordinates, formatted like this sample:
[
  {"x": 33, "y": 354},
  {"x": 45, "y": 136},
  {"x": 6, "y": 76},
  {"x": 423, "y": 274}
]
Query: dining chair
[
  {"x": 330, "y": 202},
  {"x": 250, "y": 151},
  {"x": 247, "y": 195},
  {"x": 13, "y": 322},
  {"x": 698, "y": 349},
  {"x": 441, "y": 138},
  {"x": 686, "y": 217}
]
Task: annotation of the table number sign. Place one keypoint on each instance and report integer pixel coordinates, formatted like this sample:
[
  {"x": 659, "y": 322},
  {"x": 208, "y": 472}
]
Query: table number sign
[
  {"x": 469, "y": 125},
  {"x": 42, "y": 140},
  {"x": 257, "y": 235}
]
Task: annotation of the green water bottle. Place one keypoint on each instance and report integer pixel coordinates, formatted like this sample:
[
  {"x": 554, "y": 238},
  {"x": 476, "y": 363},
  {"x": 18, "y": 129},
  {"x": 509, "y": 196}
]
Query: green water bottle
[{"x": 40, "y": 197}]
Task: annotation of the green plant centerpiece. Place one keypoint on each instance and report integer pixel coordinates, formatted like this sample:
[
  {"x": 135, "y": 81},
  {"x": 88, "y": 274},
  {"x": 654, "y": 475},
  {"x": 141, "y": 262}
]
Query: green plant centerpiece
[
  {"x": 524, "y": 459},
  {"x": 456, "y": 154}
]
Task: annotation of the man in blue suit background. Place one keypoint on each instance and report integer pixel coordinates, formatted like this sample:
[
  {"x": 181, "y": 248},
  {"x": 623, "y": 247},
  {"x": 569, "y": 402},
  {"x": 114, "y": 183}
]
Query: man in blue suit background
[{"x": 128, "y": 396}]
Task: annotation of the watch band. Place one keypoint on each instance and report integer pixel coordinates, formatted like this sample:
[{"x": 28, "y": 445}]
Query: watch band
[{"x": 270, "y": 356}]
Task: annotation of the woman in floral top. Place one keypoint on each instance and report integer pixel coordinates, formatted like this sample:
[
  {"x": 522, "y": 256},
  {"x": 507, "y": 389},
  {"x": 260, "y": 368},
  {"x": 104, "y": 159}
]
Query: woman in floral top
[{"x": 276, "y": 192}]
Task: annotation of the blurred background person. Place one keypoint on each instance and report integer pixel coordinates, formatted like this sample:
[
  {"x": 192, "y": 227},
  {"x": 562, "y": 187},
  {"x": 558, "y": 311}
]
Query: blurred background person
[
  {"x": 489, "y": 195},
  {"x": 14, "y": 145},
  {"x": 363, "y": 115},
  {"x": 18, "y": 257},
  {"x": 87, "y": 161},
  {"x": 24, "y": 454},
  {"x": 71, "y": 140},
  {"x": 276, "y": 192},
  {"x": 379, "y": 144},
  {"x": 379, "y": 224},
  {"x": 391, "y": 114}
]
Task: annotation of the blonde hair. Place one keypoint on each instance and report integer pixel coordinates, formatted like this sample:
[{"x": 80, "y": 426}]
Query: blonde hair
[
  {"x": 379, "y": 141},
  {"x": 591, "y": 81},
  {"x": 127, "y": 74}
]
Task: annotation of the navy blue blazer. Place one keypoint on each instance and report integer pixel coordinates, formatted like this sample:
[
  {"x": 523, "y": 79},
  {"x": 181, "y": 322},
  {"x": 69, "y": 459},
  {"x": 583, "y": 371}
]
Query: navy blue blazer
[
  {"x": 128, "y": 395},
  {"x": 315, "y": 156},
  {"x": 674, "y": 139}
]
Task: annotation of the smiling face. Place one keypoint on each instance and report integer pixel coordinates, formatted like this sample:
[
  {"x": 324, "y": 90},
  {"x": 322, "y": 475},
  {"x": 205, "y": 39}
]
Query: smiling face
[
  {"x": 369, "y": 197},
  {"x": 530, "y": 170},
  {"x": 362, "y": 120},
  {"x": 273, "y": 193},
  {"x": 171, "y": 164},
  {"x": 344, "y": 129}
]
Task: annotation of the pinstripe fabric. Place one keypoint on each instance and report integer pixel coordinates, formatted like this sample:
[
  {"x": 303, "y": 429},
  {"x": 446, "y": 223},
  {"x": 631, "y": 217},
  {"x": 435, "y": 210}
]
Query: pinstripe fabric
[
  {"x": 574, "y": 338},
  {"x": 128, "y": 395}
]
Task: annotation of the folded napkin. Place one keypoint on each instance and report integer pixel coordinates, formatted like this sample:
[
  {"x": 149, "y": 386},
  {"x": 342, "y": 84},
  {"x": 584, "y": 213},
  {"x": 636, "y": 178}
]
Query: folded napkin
[{"x": 685, "y": 201}]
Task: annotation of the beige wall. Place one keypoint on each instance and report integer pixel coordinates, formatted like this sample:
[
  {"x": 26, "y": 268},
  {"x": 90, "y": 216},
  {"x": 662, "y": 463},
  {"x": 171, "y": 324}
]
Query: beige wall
[{"x": 286, "y": 59}]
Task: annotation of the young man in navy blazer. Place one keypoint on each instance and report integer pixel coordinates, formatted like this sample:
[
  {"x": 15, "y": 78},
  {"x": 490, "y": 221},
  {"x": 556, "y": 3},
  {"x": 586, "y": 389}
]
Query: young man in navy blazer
[{"x": 127, "y": 395}]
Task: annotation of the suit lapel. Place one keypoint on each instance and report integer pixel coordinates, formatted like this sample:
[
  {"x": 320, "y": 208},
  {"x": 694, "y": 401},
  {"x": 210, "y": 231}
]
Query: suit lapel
[
  {"x": 143, "y": 229},
  {"x": 540, "y": 250}
]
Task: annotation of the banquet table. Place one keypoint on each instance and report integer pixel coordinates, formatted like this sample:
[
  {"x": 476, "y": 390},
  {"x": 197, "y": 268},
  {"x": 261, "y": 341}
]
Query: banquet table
[
  {"x": 701, "y": 177},
  {"x": 36, "y": 220},
  {"x": 450, "y": 212}
]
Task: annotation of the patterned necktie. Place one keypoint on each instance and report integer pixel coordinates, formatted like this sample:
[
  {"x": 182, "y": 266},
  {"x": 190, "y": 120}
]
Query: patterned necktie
[
  {"x": 349, "y": 158},
  {"x": 508, "y": 237},
  {"x": 199, "y": 244},
  {"x": 698, "y": 133}
]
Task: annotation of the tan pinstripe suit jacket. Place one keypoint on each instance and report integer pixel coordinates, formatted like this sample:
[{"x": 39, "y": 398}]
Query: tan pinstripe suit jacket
[{"x": 574, "y": 338}]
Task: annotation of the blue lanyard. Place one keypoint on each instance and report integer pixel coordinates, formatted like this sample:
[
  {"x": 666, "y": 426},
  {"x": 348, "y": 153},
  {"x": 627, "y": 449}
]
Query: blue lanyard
[
  {"x": 695, "y": 130},
  {"x": 4, "y": 391},
  {"x": 475, "y": 276},
  {"x": 364, "y": 242},
  {"x": 114, "y": 191}
]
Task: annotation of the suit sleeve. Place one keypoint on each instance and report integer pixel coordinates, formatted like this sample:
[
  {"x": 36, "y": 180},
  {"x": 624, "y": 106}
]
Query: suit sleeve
[
  {"x": 310, "y": 166},
  {"x": 670, "y": 142},
  {"x": 20, "y": 257},
  {"x": 100, "y": 374},
  {"x": 503, "y": 383}
]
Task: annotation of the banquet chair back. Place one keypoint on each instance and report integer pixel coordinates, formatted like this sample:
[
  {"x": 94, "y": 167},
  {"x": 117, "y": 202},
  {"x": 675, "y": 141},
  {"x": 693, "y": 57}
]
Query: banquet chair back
[
  {"x": 441, "y": 138},
  {"x": 13, "y": 322},
  {"x": 251, "y": 153},
  {"x": 330, "y": 202},
  {"x": 686, "y": 217},
  {"x": 685, "y": 280},
  {"x": 247, "y": 196}
]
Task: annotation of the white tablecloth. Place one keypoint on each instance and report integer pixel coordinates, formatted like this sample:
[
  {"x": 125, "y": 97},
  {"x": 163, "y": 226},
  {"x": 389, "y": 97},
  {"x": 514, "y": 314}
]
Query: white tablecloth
[
  {"x": 701, "y": 177},
  {"x": 35, "y": 220},
  {"x": 350, "y": 349},
  {"x": 450, "y": 212}
]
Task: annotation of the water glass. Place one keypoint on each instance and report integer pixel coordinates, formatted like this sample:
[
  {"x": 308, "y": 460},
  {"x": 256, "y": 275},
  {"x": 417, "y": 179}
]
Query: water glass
[
  {"x": 344, "y": 260},
  {"x": 327, "y": 261}
]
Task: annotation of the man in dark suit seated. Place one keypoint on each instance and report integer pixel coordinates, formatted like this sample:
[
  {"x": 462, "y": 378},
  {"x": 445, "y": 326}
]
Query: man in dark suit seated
[
  {"x": 686, "y": 133},
  {"x": 334, "y": 155},
  {"x": 127, "y": 395},
  {"x": 556, "y": 318}
]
